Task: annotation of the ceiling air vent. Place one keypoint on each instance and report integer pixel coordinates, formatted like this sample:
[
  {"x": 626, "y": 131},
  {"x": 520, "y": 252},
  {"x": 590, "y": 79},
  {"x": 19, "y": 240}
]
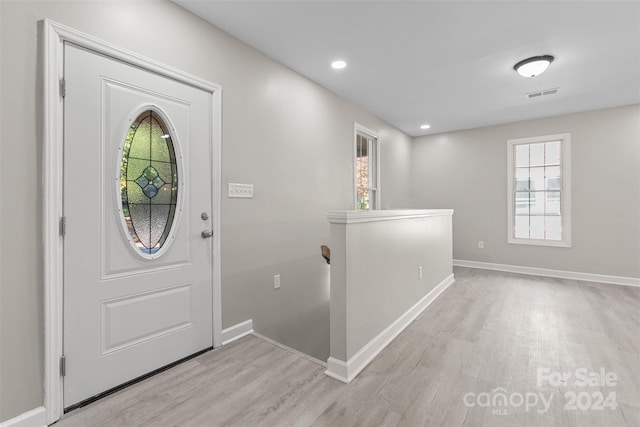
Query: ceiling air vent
[{"x": 543, "y": 93}]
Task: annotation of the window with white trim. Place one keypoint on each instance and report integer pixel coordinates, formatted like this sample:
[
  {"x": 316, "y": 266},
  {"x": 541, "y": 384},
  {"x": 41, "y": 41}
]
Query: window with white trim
[
  {"x": 539, "y": 190},
  {"x": 366, "y": 189}
]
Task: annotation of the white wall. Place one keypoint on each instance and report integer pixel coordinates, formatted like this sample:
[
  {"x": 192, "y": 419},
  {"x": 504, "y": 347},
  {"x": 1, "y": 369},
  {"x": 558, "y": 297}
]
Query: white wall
[
  {"x": 292, "y": 140},
  {"x": 374, "y": 270},
  {"x": 286, "y": 135},
  {"x": 467, "y": 171}
]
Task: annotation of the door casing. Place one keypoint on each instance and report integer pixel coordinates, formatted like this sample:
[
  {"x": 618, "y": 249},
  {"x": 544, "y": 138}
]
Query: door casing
[{"x": 54, "y": 35}]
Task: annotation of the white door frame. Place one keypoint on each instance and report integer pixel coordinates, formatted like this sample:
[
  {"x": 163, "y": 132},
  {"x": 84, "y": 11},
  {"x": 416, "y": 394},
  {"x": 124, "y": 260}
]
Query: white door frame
[{"x": 54, "y": 36}]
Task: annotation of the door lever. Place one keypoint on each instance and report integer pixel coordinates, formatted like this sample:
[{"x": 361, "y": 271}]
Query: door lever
[{"x": 206, "y": 234}]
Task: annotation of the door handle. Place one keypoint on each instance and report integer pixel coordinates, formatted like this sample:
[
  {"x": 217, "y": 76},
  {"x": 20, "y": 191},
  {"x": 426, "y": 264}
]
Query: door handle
[{"x": 206, "y": 234}]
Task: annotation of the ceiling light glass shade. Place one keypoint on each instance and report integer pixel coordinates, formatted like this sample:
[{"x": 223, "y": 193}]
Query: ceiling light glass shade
[
  {"x": 425, "y": 127},
  {"x": 534, "y": 66},
  {"x": 338, "y": 65}
]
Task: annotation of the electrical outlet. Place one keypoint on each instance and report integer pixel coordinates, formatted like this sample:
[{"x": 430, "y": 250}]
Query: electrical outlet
[
  {"x": 480, "y": 244},
  {"x": 420, "y": 273},
  {"x": 276, "y": 281}
]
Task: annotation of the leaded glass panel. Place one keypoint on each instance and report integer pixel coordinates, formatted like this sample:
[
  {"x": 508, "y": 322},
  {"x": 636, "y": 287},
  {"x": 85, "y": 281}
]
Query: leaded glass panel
[{"x": 149, "y": 182}]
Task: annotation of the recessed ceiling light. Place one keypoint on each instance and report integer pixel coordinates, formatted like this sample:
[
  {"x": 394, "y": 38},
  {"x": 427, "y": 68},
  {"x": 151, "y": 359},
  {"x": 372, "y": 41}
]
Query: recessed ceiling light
[
  {"x": 425, "y": 126},
  {"x": 338, "y": 65},
  {"x": 534, "y": 66}
]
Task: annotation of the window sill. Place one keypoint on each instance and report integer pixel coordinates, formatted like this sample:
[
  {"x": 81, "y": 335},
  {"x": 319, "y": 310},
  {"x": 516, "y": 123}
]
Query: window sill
[{"x": 538, "y": 242}]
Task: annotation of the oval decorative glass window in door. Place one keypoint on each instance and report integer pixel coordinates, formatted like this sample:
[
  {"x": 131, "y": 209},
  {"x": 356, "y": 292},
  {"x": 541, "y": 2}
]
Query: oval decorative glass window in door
[{"x": 149, "y": 182}]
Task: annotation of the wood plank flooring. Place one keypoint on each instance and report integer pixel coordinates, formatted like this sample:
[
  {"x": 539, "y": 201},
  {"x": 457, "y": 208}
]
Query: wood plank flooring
[{"x": 486, "y": 336}]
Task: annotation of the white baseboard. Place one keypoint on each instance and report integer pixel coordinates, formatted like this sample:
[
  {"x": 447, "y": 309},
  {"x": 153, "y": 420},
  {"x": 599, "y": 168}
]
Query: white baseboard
[
  {"x": 347, "y": 371},
  {"x": 237, "y": 331},
  {"x": 546, "y": 272},
  {"x": 33, "y": 418},
  {"x": 338, "y": 370},
  {"x": 290, "y": 349}
]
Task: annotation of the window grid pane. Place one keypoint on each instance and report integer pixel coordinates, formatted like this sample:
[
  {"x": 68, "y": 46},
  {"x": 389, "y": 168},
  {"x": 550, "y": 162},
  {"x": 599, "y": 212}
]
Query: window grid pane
[
  {"x": 372, "y": 164},
  {"x": 362, "y": 162},
  {"x": 365, "y": 199},
  {"x": 537, "y": 191},
  {"x": 366, "y": 172}
]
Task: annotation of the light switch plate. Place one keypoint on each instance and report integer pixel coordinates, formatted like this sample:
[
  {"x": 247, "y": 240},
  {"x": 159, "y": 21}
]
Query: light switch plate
[{"x": 240, "y": 191}]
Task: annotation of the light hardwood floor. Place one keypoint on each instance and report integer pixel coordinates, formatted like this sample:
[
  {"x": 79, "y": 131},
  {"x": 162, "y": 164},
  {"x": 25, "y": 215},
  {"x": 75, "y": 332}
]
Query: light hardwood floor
[{"x": 488, "y": 331}]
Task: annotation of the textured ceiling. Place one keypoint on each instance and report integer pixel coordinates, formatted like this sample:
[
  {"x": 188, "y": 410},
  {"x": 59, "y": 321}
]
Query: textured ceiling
[{"x": 448, "y": 63}]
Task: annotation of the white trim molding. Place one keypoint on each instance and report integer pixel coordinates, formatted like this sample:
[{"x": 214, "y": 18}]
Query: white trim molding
[
  {"x": 33, "y": 418},
  {"x": 546, "y": 272},
  {"x": 359, "y": 129},
  {"x": 347, "y": 371},
  {"x": 237, "y": 331},
  {"x": 338, "y": 370},
  {"x": 55, "y": 36},
  {"x": 565, "y": 190},
  {"x": 353, "y": 217}
]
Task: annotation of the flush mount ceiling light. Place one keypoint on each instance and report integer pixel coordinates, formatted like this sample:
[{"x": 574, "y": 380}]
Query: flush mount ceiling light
[
  {"x": 425, "y": 126},
  {"x": 534, "y": 66},
  {"x": 338, "y": 65}
]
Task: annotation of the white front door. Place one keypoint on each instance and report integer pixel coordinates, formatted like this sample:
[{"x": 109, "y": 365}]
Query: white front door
[{"x": 137, "y": 199}]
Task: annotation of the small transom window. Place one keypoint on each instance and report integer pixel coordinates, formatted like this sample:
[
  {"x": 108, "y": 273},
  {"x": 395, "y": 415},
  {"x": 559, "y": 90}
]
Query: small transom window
[{"x": 367, "y": 182}]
